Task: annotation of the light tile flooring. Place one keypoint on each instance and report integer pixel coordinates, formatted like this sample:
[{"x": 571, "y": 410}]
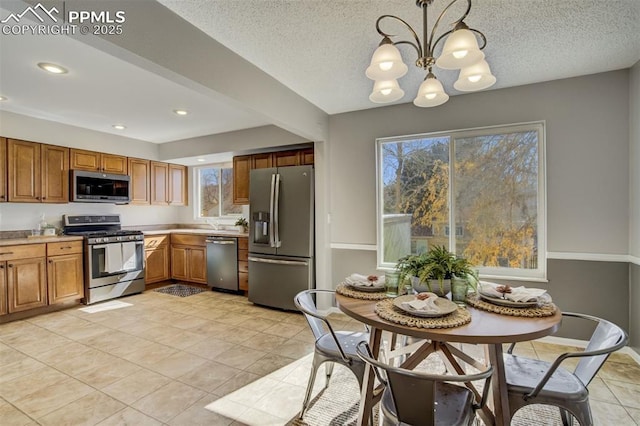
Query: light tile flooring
[{"x": 163, "y": 359}]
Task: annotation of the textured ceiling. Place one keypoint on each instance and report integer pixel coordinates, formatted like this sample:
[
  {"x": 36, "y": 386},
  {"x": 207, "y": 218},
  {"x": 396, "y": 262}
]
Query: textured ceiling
[{"x": 320, "y": 49}]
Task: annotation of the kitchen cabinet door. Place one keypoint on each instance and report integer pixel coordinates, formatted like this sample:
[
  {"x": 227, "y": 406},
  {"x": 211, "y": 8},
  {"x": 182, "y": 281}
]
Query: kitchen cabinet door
[
  {"x": 241, "y": 173},
  {"x": 55, "y": 174},
  {"x": 111, "y": 163},
  {"x": 84, "y": 160},
  {"x": 177, "y": 185},
  {"x": 140, "y": 185},
  {"x": 286, "y": 158},
  {"x": 159, "y": 183},
  {"x": 156, "y": 255},
  {"x": 179, "y": 263},
  {"x": 24, "y": 171},
  {"x": 26, "y": 284},
  {"x": 262, "y": 161},
  {"x": 3, "y": 170},
  {"x": 3, "y": 288},
  {"x": 306, "y": 157},
  {"x": 64, "y": 278},
  {"x": 198, "y": 265}
]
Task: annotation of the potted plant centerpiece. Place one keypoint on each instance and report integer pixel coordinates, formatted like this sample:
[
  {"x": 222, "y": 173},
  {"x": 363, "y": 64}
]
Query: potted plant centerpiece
[
  {"x": 432, "y": 271},
  {"x": 242, "y": 224}
]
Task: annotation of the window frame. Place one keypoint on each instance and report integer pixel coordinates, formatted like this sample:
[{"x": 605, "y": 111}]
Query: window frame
[
  {"x": 196, "y": 193},
  {"x": 538, "y": 274}
]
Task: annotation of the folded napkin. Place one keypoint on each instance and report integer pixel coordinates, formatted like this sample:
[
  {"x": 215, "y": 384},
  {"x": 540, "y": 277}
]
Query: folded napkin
[
  {"x": 427, "y": 305},
  {"x": 360, "y": 280},
  {"x": 518, "y": 294}
]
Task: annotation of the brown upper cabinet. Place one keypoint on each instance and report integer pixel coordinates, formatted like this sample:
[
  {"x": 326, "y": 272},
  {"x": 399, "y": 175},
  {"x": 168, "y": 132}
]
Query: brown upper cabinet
[
  {"x": 168, "y": 184},
  {"x": 243, "y": 164},
  {"x": 139, "y": 171},
  {"x": 3, "y": 170},
  {"x": 37, "y": 172},
  {"x": 241, "y": 169},
  {"x": 98, "y": 162}
]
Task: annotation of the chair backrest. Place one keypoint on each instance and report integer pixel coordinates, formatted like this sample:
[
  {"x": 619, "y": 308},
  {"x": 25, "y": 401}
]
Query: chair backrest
[
  {"x": 305, "y": 302},
  {"x": 414, "y": 393},
  {"x": 606, "y": 339}
]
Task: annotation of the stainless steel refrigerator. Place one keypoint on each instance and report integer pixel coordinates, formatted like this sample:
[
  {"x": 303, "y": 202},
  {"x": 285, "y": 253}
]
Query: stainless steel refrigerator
[{"x": 281, "y": 235}]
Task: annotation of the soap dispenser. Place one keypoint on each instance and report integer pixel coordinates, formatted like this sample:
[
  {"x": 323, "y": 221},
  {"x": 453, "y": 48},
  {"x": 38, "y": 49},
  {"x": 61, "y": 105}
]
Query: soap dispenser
[{"x": 42, "y": 224}]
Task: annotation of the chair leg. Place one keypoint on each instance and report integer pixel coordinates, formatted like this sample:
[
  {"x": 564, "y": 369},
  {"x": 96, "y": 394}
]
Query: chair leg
[
  {"x": 312, "y": 379},
  {"x": 567, "y": 418},
  {"x": 328, "y": 368}
]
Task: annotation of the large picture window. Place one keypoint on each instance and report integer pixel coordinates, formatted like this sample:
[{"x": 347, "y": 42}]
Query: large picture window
[
  {"x": 478, "y": 192},
  {"x": 214, "y": 189}
]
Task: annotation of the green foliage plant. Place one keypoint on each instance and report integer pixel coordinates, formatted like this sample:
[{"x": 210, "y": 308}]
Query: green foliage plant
[
  {"x": 242, "y": 222},
  {"x": 436, "y": 264}
]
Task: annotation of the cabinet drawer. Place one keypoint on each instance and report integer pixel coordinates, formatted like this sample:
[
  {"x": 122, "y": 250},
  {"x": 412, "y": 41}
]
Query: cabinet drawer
[
  {"x": 243, "y": 266},
  {"x": 153, "y": 241},
  {"x": 189, "y": 240},
  {"x": 25, "y": 251},
  {"x": 70, "y": 247},
  {"x": 243, "y": 244},
  {"x": 243, "y": 255}
]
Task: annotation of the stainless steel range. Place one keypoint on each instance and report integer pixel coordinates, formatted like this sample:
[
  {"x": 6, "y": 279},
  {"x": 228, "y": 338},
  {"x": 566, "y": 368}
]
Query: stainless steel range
[{"x": 113, "y": 258}]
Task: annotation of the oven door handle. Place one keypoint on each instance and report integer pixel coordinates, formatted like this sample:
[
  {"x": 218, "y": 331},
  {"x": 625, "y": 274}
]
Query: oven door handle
[{"x": 105, "y": 245}]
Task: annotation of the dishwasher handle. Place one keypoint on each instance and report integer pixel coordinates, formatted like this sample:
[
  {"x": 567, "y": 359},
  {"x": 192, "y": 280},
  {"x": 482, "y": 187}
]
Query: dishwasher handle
[{"x": 220, "y": 242}]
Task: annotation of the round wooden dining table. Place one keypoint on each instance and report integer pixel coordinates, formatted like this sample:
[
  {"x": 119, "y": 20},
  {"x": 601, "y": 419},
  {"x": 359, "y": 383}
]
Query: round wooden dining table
[{"x": 486, "y": 328}]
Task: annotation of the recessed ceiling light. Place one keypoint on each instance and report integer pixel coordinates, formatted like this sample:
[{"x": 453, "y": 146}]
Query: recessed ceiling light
[
  {"x": 3, "y": 98},
  {"x": 181, "y": 111},
  {"x": 52, "y": 68},
  {"x": 119, "y": 126},
  {"x": 201, "y": 160}
]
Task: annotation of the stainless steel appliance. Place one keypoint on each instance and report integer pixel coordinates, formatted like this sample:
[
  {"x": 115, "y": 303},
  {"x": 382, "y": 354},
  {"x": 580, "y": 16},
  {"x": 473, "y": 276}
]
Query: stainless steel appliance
[
  {"x": 222, "y": 263},
  {"x": 281, "y": 235},
  {"x": 96, "y": 187},
  {"x": 114, "y": 258}
]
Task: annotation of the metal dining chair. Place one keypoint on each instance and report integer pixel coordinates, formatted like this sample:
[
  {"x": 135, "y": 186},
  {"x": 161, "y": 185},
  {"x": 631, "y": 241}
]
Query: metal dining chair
[
  {"x": 331, "y": 346},
  {"x": 415, "y": 398},
  {"x": 531, "y": 381}
]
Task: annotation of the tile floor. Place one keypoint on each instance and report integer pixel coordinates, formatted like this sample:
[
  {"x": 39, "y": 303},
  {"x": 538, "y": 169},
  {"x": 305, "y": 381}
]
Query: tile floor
[{"x": 163, "y": 359}]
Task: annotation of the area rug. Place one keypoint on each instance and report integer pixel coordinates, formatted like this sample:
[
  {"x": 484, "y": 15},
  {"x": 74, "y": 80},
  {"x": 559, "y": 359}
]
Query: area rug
[
  {"x": 337, "y": 405},
  {"x": 180, "y": 290}
]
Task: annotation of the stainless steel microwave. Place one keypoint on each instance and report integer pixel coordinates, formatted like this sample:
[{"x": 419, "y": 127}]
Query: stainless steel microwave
[{"x": 96, "y": 187}]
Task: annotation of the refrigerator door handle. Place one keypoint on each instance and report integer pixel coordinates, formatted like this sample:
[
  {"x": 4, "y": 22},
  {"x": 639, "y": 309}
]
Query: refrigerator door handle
[
  {"x": 279, "y": 262},
  {"x": 277, "y": 241},
  {"x": 272, "y": 242}
]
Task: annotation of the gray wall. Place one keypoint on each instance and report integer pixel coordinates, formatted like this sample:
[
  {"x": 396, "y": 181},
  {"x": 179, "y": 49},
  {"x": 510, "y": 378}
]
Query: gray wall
[
  {"x": 587, "y": 147},
  {"x": 634, "y": 205}
]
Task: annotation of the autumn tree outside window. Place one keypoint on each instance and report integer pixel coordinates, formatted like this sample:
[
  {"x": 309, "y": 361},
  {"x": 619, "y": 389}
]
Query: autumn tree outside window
[
  {"x": 214, "y": 189},
  {"x": 487, "y": 184}
]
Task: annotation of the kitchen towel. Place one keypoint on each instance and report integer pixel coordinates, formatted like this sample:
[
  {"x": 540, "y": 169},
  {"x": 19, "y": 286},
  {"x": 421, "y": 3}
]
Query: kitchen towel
[
  {"x": 112, "y": 258},
  {"x": 129, "y": 256}
]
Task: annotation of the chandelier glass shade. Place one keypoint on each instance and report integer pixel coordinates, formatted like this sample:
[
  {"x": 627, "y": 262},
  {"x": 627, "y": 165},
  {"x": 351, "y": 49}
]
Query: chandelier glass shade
[{"x": 460, "y": 51}]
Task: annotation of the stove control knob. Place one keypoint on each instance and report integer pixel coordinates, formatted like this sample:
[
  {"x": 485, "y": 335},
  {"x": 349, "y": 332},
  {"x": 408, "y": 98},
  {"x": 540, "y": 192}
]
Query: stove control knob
[
  {"x": 98, "y": 240},
  {"x": 118, "y": 238}
]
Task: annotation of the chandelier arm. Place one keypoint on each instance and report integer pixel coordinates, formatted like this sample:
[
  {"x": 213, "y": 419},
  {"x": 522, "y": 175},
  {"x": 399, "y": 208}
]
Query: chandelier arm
[
  {"x": 417, "y": 45},
  {"x": 431, "y": 46}
]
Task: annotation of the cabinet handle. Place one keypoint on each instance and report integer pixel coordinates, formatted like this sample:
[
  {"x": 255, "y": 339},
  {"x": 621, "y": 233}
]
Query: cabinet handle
[
  {"x": 1, "y": 197},
  {"x": 65, "y": 247},
  {"x": 50, "y": 261},
  {"x": 10, "y": 265},
  {"x": 6, "y": 252},
  {"x": 1, "y": 266},
  {"x": 44, "y": 198},
  {"x": 37, "y": 198}
]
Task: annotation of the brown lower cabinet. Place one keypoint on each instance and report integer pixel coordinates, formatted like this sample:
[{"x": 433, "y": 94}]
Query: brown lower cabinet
[
  {"x": 189, "y": 258},
  {"x": 243, "y": 264},
  {"x": 156, "y": 256},
  {"x": 37, "y": 275},
  {"x": 65, "y": 280}
]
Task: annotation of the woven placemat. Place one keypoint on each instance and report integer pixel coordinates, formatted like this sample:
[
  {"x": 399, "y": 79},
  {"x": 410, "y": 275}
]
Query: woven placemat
[
  {"x": 546, "y": 310},
  {"x": 386, "y": 310},
  {"x": 344, "y": 290}
]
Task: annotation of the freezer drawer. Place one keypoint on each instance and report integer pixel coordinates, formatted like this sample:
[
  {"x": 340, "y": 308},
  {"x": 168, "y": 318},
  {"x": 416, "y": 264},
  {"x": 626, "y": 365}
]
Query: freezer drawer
[{"x": 275, "y": 280}]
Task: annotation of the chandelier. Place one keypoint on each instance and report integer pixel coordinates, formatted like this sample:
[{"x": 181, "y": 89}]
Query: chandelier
[{"x": 460, "y": 51}]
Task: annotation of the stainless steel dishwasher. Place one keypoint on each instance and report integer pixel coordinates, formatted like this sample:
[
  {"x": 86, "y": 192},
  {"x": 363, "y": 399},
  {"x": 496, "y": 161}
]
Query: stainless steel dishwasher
[{"x": 222, "y": 263}]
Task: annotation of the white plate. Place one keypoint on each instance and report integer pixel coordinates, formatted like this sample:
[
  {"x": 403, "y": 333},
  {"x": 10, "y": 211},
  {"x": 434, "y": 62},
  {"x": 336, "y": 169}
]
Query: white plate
[
  {"x": 508, "y": 303},
  {"x": 366, "y": 288},
  {"x": 446, "y": 307}
]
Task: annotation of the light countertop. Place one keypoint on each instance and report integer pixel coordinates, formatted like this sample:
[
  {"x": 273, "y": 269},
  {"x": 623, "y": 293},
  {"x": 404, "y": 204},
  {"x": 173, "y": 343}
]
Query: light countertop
[{"x": 211, "y": 232}]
